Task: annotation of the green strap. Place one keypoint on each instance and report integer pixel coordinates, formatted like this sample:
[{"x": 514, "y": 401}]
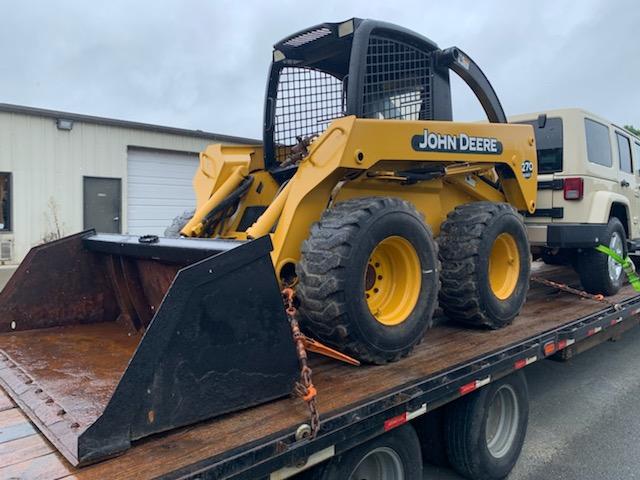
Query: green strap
[{"x": 627, "y": 265}]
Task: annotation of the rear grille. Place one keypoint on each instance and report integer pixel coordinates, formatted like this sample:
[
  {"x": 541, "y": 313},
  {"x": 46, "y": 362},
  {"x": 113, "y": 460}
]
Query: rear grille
[
  {"x": 397, "y": 81},
  {"x": 308, "y": 37},
  {"x": 307, "y": 101}
]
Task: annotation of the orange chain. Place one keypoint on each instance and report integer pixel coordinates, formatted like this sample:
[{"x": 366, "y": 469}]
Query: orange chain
[{"x": 303, "y": 388}]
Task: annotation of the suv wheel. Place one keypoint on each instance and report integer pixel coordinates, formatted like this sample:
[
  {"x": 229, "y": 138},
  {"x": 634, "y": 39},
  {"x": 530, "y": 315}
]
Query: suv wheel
[{"x": 599, "y": 273}]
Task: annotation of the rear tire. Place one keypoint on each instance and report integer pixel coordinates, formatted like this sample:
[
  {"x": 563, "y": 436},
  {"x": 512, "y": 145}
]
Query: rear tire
[
  {"x": 596, "y": 270},
  {"x": 178, "y": 223},
  {"x": 394, "y": 455},
  {"x": 486, "y": 263},
  {"x": 368, "y": 278},
  {"x": 485, "y": 430}
]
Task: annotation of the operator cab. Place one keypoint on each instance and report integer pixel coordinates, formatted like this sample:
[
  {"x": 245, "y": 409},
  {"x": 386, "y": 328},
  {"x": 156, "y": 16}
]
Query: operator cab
[{"x": 365, "y": 68}]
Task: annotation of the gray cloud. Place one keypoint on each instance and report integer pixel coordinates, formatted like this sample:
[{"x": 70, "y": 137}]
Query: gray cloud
[{"x": 203, "y": 64}]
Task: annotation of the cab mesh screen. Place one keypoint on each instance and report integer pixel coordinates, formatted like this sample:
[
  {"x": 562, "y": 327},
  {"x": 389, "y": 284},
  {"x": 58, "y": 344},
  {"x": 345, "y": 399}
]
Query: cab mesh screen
[
  {"x": 307, "y": 101},
  {"x": 397, "y": 81}
]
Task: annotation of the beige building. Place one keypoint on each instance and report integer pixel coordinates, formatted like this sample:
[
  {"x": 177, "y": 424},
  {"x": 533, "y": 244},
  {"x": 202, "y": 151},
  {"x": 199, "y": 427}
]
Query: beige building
[{"x": 61, "y": 173}]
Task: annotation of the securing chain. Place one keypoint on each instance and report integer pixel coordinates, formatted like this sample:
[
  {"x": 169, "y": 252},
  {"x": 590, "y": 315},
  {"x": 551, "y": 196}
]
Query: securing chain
[
  {"x": 304, "y": 387},
  {"x": 575, "y": 291}
]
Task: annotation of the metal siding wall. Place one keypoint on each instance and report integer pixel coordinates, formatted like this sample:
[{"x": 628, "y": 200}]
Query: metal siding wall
[{"x": 48, "y": 164}]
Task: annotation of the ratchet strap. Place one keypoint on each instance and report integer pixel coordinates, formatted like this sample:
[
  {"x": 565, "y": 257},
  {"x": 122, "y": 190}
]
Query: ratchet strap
[{"x": 627, "y": 265}]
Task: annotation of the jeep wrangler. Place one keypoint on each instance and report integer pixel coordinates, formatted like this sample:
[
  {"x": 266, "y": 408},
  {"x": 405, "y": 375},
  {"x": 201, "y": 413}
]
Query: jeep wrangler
[{"x": 588, "y": 194}]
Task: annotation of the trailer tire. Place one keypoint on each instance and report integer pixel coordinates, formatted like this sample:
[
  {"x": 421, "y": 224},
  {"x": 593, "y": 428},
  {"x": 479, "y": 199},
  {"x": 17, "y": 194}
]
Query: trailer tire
[
  {"x": 479, "y": 286},
  {"x": 392, "y": 456},
  {"x": 368, "y": 278},
  {"x": 474, "y": 449},
  {"x": 178, "y": 223},
  {"x": 596, "y": 270}
]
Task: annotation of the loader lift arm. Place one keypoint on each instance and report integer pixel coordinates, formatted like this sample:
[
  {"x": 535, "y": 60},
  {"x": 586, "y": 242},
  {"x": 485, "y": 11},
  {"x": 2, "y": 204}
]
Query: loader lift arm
[{"x": 470, "y": 72}]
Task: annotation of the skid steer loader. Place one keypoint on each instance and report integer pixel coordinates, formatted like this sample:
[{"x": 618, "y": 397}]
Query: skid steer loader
[{"x": 110, "y": 338}]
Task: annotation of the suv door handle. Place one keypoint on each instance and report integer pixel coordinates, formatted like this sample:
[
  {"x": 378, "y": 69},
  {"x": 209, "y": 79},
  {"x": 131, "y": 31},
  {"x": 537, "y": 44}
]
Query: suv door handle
[{"x": 624, "y": 183}]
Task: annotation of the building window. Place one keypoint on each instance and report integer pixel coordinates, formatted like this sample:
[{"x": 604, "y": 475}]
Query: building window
[
  {"x": 598, "y": 143},
  {"x": 5, "y": 202}
]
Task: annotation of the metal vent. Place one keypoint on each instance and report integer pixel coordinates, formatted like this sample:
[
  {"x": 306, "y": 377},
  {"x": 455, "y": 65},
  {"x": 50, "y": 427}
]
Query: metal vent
[
  {"x": 307, "y": 101},
  {"x": 308, "y": 37},
  {"x": 397, "y": 81},
  {"x": 6, "y": 250}
]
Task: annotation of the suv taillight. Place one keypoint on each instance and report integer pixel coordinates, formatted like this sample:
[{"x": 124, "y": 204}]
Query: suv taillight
[{"x": 573, "y": 188}]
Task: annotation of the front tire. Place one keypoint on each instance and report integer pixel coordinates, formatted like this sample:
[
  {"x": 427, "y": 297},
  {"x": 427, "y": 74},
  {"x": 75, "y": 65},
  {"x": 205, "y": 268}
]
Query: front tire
[
  {"x": 600, "y": 274},
  {"x": 486, "y": 263},
  {"x": 368, "y": 278}
]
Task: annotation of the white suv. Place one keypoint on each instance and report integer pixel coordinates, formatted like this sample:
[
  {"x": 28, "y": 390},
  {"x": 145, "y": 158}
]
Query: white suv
[{"x": 588, "y": 194}]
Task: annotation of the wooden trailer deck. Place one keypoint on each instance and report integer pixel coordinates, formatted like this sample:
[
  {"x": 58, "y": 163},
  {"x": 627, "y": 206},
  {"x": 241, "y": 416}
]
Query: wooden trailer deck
[{"x": 25, "y": 454}]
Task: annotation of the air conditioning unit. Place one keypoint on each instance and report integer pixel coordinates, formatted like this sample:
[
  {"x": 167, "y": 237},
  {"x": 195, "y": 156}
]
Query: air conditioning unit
[{"x": 6, "y": 250}]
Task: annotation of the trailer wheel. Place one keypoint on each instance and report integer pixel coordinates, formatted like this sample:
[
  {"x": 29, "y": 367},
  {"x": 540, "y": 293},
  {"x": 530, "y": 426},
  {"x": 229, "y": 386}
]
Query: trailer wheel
[
  {"x": 486, "y": 263},
  {"x": 368, "y": 278},
  {"x": 485, "y": 430},
  {"x": 178, "y": 223},
  {"x": 600, "y": 274},
  {"x": 394, "y": 455}
]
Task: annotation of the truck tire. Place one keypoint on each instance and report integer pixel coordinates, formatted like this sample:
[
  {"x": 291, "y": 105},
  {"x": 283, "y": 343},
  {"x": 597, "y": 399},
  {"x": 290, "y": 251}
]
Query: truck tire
[
  {"x": 486, "y": 263},
  {"x": 394, "y": 455},
  {"x": 368, "y": 278},
  {"x": 178, "y": 223},
  {"x": 485, "y": 430},
  {"x": 598, "y": 273}
]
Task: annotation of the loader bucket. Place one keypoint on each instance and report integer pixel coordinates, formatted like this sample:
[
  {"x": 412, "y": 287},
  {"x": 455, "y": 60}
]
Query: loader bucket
[{"x": 105, "y": 340}]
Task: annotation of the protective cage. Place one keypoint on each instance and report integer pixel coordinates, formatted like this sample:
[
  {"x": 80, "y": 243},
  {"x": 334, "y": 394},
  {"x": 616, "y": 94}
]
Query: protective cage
[
  {"x": 373, "y": 70},
  {"x": 365, "y": 68},
  {"x": 397, "y": 83},
  {"x": 307, "y": 101},
  {"x": 107, "y": 340}
]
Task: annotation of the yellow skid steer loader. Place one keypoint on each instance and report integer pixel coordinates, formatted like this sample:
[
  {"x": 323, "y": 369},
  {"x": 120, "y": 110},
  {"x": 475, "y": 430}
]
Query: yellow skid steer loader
[{"x": 365, "y": 197}]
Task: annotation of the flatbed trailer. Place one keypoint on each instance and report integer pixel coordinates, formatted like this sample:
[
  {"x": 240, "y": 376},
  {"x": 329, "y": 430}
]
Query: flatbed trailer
[{"x": 356, "y": 403}]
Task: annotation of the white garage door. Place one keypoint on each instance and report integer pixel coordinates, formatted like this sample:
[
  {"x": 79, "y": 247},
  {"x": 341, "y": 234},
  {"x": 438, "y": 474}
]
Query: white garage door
[{"x": 159, "y": 188}]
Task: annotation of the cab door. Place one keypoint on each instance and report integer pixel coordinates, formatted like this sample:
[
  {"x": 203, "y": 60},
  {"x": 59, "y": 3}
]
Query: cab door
[{"x": 627, "y": 180}]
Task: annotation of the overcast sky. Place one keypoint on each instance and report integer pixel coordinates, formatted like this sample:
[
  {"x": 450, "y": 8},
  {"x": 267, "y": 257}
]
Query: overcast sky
[{"x": 203, "y": 64}]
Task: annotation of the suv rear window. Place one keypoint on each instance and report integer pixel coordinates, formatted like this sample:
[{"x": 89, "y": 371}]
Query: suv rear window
[
  {"x": 548, "y": 144},
  {"x": 624, "y": 152},
  {"x": 598, "y": 143}
]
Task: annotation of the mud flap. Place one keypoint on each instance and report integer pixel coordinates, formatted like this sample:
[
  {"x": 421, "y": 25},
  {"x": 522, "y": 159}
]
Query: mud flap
[{"x": 219, "y": 341}]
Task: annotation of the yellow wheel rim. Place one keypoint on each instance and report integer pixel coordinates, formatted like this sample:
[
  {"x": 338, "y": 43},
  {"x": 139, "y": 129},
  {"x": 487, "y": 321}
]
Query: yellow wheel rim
[
  {"x": 504, "y": 266},
  {"x": 392, "y": 280}
]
